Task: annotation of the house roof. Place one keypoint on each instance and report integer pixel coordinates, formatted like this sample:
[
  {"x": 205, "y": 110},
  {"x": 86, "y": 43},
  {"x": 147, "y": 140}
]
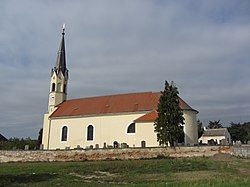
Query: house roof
[
  {"x": 110, "y": 104},
  {"x": 215, "y": 132},
  {"x": 2, "y": 138}
]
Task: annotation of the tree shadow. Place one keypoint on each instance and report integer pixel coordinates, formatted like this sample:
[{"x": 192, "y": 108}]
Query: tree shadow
[{"x": 8, "y": 179}]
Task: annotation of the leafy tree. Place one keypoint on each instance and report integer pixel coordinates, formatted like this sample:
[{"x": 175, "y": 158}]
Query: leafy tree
[
  {"x": 246, "y": 126},
  {"x": 181, "y": 138},
  {"x": 170, "y": 116},
  {"x": 214, "y": 124},
  {"x": 240, "y": 131},
  {"x": 39, "y": 139},
  {"x": 17, "y": 144},
  {"x": 200, "y": 128}
]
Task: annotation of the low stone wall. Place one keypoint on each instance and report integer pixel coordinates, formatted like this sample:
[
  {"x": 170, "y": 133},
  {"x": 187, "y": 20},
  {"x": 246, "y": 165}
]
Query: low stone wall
[
  {"x": 242, "y": 151},
  {"x": 110, "y": 154}
]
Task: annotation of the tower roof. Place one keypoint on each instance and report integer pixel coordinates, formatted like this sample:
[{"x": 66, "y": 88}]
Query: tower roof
[{"x": 61, "y": 56}]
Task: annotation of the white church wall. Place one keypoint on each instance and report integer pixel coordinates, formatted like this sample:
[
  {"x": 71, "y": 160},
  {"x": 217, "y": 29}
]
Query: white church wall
[
  {"x": 45, "y": 131},
  {"x": 145, "y": 132},
  {"x": 190, "y": 127},
  {"x": 107, "y": 129},
  {"x": 110, "y": 128}
]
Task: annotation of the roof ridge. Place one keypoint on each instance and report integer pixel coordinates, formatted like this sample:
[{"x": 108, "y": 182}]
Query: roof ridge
[{"x": 218, "y": 128}]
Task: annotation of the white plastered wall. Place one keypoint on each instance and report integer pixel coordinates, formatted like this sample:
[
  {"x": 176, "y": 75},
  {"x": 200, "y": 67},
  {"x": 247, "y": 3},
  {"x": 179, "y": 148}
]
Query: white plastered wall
[
  {"x": 58, "y": 96},
  {"x": 205, "y": 139},
  {"x": 190, "y": 127},
  {"x": 45, "y": 131},
  {"x": 107, "y": 129},
  {"x": 228, "y": 137},
  {"x": 145, "y": 132}
]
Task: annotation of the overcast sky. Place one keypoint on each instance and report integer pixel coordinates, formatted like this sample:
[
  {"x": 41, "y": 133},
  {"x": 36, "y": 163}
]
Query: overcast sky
[{"x": 125, "y": 46}]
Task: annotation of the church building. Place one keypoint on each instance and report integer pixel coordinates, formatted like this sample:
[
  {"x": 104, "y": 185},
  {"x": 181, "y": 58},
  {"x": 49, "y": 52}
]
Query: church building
[{"x": 103, "y": 121}]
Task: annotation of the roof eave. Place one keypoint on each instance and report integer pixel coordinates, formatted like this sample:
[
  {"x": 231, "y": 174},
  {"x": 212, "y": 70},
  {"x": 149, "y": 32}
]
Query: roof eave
[{"x": 95, "y": 115}]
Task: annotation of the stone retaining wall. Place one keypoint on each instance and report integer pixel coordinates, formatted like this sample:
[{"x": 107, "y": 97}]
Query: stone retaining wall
[
  {"x": 110, "y": 154},
  {"x": 242, "y": 151}
]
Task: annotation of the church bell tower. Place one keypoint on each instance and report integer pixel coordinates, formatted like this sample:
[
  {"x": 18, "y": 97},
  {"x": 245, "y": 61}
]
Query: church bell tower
[{"x": 59, "y": 78}]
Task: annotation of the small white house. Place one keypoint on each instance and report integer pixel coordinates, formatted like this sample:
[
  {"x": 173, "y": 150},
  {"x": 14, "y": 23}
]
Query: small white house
[{"x": 218, "y": 136}]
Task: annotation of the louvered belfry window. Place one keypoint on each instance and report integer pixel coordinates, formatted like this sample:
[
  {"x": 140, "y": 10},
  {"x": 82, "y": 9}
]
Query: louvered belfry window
[{"x": 53, "y": 87}]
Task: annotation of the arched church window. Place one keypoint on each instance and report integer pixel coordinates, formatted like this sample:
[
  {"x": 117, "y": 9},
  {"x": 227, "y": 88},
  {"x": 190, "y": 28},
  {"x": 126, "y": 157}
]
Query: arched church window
[
  {"x": 53, "y": 88},
  {"x": 131, "y": 128},
  {"x": 64, "y": 133},
  {"x": 90, "y": 132}
]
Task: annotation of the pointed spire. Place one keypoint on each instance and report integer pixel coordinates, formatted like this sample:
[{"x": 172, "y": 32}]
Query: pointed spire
[{"x": 61, "y": 56}]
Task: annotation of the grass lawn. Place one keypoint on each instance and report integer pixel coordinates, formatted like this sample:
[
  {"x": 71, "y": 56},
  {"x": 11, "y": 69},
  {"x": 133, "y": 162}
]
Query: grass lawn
[{"x": 214, "y": 171}]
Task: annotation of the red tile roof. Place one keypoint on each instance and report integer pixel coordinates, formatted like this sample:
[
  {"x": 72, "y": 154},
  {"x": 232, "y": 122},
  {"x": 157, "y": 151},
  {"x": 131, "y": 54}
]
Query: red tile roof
[
  {"x": 120, "y": 103},
  {"x": 149, "y": 117}
]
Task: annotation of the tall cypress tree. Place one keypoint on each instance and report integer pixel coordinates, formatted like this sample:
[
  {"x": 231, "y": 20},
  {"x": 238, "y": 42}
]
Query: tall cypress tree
[{"x": 170, "y": 116}]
